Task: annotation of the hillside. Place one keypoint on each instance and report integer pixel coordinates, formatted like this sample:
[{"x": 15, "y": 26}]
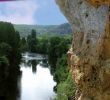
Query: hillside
[{"x": 42, "y": 29}]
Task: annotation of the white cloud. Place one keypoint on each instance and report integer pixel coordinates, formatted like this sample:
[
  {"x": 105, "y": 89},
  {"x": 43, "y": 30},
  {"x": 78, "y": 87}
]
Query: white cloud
[{"x": 19, "y": 12}]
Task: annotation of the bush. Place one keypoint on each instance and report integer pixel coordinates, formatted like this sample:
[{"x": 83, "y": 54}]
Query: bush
[
  {"x": 66, "y": 89},
  {"x": 62, "y": 70}
]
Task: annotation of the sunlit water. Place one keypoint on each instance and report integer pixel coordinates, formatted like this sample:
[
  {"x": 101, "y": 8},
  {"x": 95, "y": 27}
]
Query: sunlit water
[{"x": 36, "y": 83}]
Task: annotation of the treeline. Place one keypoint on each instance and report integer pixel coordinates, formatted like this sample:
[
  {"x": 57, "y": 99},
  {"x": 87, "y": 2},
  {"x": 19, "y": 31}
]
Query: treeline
[
  {"x": 61, "y": 30},
  {"x": 42, "y": 44}
]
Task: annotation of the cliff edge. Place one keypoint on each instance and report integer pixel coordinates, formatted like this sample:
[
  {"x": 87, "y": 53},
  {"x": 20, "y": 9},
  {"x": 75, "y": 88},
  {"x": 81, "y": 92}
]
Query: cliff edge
[{"x": 89, "y": 55}]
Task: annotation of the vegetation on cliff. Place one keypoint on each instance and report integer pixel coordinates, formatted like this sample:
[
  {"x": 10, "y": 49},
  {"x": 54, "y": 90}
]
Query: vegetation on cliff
[{"x": 65, "y": 87}]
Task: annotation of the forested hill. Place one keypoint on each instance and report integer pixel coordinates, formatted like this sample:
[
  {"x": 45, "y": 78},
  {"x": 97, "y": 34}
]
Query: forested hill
[{"x": 44, "y": 29}]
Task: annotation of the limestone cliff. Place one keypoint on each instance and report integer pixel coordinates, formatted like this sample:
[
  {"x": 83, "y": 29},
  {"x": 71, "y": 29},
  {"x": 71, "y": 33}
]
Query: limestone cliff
[{"x": 89, "y": 56}]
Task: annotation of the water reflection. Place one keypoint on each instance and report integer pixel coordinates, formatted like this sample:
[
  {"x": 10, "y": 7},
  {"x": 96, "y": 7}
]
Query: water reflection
[
  {"x": 34, "y": 64},
  {"x": 44, "y": 63},
  {"x": 37, "y": 82},
  {"x": 34, "y": 83},
  {"x": 9, "y": 86}
]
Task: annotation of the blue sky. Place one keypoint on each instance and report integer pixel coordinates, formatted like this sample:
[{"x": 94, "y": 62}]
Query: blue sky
[{"x": 40, "y": 12}]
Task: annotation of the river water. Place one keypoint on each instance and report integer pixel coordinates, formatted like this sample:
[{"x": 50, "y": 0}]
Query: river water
[
  {"x": 33, "y": 82},
  {"x": 36, "y": 82}
]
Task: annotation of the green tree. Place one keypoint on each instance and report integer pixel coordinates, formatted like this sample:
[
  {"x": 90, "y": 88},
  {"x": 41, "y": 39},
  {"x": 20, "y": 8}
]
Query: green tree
[
  {"x": 57, "y": 47},
  {"x": 65, "y": 87},
  {"x": 32, "y": 41},
  {"x": 42, "y": 46},
  {"x": 9, "y": 42},
  {"x": 23, "y": 45},
  {"x": 53, "y": 50}
]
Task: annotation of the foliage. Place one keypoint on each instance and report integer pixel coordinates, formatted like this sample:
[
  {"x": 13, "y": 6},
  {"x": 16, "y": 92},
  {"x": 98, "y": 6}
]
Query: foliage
[
  {"x": 23, "y": 45},
  {"x": 57, "y": 47},
  {"x": 42, "y": 46},
  {"x": 65, "y": 86},
  {"x": 9, "y": 46},
  {"x": 32, "y": 41},
  {"x": 5, "y": 49},
  {"x": 61, "y": 72},
  {"x": 66, "y": 89}
]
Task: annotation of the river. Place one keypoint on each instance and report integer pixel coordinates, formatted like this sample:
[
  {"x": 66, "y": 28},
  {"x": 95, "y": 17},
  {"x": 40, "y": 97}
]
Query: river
[
  {"x": 31, "y": 80},
  {"x": 36, "y": 81}
]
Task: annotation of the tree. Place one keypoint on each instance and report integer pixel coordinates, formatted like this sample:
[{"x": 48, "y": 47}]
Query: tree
[
  {"x": 53, "y": 52},
  {"x": 23, "y": 45},
  {"x": 42, "y": 45},
  {"x": 32, "y": 41},
  {"x": 9, "y": 41},
  {"x": 57, "y": 47}
]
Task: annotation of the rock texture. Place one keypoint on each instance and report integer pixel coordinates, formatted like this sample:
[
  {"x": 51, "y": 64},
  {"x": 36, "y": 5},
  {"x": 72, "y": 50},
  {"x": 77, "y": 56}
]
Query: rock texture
[{"x": 89, "y": 56}]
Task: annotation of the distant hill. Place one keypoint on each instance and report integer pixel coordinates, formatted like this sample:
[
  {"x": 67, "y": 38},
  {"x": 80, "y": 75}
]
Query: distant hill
[{"x": 44, "y": 29}]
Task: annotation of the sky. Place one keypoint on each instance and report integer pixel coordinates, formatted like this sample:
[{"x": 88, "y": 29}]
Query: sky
[{"x": 40, "y": 12}]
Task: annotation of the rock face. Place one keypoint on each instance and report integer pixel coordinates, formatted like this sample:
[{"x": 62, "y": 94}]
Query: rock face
[{"x": 89, "y": 56}]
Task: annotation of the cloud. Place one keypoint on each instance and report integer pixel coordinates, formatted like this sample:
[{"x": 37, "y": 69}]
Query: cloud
[{"x": 19, "y": 12}]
